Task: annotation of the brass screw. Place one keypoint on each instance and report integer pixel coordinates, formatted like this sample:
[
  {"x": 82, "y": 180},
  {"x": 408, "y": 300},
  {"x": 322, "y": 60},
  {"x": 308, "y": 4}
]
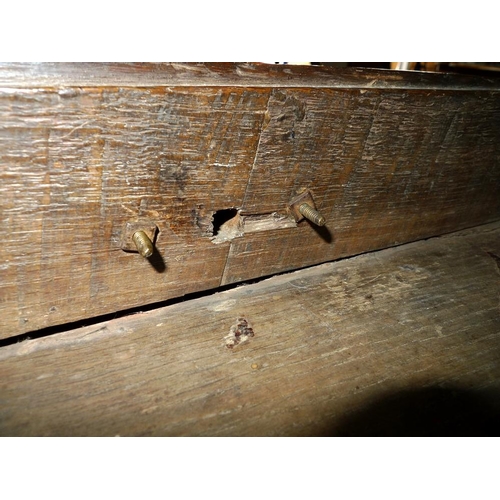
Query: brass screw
[
  {"x": 143, "y": 243},
  {"x": 309, "y": 213}
]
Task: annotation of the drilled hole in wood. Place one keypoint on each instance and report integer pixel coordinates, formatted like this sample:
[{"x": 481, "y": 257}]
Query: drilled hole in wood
[
  {"x": 223, "y": 216},
  {"x": 226, "y": 225}
]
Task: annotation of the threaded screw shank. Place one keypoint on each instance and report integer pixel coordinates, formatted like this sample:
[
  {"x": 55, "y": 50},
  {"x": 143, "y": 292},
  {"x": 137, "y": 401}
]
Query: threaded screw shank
[
  {"x": 143, "y": 243},
  {"x": 309, "y": 213}
]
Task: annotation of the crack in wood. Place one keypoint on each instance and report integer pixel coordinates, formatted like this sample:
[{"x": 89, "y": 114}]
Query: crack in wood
[{"x": 496, "y": 259}]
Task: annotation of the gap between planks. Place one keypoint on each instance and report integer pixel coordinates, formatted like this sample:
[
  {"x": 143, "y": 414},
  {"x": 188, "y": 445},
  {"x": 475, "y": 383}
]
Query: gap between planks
[{"x": 371, "y": 345}]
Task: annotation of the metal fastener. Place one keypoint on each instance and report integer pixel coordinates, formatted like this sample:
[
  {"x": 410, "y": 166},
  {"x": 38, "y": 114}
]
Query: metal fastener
[
  {"x": 313, "y": 215},
  {"x": 303, "y": 207},
  {"x": 143, "y": 243}
]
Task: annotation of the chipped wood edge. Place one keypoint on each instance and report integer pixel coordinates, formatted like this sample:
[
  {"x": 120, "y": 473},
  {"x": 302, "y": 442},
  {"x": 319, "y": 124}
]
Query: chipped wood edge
[{"x": 30, "y": 75}]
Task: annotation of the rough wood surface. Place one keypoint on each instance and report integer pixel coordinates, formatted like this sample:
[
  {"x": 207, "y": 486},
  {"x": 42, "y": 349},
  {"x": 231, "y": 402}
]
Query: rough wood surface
[
  {"x": 385, "y": 167},
  {"x": 404, "y": 341},
  {"x": 227, "y": 74},
  {"x": 84, "y": 149},
  {"x": 76, "y": 168}
]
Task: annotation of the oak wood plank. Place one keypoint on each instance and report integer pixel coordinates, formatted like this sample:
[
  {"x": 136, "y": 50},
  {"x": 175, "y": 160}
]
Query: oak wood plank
[
  {"x": 404, "y": 341},
  {"x": 76, "y": 167},
  {"x": 28, "y": 75},
  {"x": 86, "y": 148},
  {"x": 385, "y": 167}
]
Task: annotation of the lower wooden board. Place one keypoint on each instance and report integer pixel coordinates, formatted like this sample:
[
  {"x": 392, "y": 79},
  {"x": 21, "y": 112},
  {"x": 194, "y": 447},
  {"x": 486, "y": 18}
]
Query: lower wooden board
[{"x": 404, "y": 341}]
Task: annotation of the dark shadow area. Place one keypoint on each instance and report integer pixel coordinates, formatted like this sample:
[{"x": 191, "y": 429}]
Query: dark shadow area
[
  {"x": 221, "y": 217},
  {"x": 432, "y": 411},
  {"x": 157, "y": 262},
  {"x": 323, "y": 232}
]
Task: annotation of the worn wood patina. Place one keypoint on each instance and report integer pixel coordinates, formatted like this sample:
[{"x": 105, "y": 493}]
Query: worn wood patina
[
  {"x": 404, "y": 341},
  {"x": 211, "y": 155}
]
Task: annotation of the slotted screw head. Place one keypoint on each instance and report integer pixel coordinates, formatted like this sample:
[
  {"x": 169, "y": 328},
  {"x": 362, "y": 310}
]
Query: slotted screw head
[
  {"x": 143, "y": 243},
  {"x": 309, "y": 213}
]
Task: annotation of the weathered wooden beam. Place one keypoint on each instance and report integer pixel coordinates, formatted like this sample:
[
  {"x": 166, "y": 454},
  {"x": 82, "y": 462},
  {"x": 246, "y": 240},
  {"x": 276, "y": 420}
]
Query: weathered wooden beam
[
  {"x": 385, "y": 167},
  {"x": 86, "y": 149},
  {"x": 228, "y": 75},
  {"x": 405, "y": 341},
  {"x": 77, "y": 168}
]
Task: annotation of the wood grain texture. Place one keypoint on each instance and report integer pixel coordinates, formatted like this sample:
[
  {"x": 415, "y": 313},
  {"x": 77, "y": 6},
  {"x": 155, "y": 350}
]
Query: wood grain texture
[
  {"x": 76, "y": 167},
  {"x": 84, "y": 149},
  {"x": 404, "y": 341},
  {"x": 227, "y": 74},
  {"x": 384, "y": 167}
]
